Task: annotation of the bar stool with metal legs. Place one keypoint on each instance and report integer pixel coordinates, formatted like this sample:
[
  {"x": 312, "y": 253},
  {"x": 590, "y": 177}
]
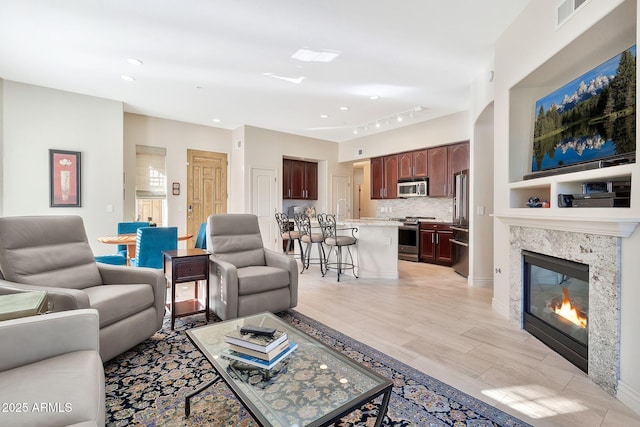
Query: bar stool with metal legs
[
  {"x": 335, "y": 240},
  {"x": 309, "y": 237},
  {"x": 288, "y": 233}
]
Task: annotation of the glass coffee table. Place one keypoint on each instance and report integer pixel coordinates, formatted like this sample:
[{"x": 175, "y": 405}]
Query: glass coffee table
[{"x": 314, "y": 386}]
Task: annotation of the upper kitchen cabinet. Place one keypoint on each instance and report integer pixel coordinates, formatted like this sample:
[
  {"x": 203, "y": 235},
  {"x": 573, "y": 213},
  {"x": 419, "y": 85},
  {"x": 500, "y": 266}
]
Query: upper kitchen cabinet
[
  {"x": 299, "y": 180},
  {"x": 384, "y": 177},
  {"x": 442, "y": 163},
  {"x": 458, "y": 159},
  {"x": 437, "y": 164},
  {"x": 412, "y": 164}
]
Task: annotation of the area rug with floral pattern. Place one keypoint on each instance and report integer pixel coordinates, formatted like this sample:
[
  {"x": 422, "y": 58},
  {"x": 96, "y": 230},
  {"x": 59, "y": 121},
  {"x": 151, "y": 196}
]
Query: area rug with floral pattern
[{"x": 148, "y": 384}]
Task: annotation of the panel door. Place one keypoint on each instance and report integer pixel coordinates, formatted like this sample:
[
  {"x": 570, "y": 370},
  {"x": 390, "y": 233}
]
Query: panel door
[
  {"x": 377, "y": 177},
  {"x": 444, "y": 251},
  {"x": 405, "y": 165},
  {"x": 206, "y": 188},
  {"x": 286, "y": 178},
  {"x": 297, "y": 179},
  {"x": 437, "y": 166},
  {"x": 311, "y": 180},
  {"x": 427, "y": 245},
  {"x": 420, "y": 163},
  {"x": 391, "y": 177},
  {"x": 458, "y": 159},
  {"x": 263, "y": 204}
]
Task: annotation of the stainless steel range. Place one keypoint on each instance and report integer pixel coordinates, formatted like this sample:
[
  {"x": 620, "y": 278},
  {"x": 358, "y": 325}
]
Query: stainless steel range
[{"x": 409, "y": 237}]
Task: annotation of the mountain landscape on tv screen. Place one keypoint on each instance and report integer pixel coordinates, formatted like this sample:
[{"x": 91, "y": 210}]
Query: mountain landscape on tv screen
[{"x": 590, "y": 118}]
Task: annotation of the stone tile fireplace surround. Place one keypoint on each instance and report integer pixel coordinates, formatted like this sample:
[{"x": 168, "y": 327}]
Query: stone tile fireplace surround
[{"x": 602, "y": 254}]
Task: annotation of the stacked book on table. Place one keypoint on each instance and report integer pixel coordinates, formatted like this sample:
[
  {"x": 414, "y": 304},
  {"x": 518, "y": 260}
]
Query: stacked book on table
[{"x": 258, "y": 350}]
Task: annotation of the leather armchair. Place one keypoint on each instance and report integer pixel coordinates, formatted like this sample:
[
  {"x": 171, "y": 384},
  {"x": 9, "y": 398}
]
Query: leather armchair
[
  {"x": 245, "y": 277},
  {"x": 52, "y": 253},
  {"x": 52, "y": 359}
]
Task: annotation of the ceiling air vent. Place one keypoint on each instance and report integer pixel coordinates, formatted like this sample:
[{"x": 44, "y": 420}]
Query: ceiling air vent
[{"x": 566, "y": 9}]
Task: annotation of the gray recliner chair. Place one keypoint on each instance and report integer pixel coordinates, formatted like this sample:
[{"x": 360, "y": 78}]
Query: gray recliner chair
[
  {"x": 52, "y": 253},
  {"x": 245, "y": 277},
  {"x": 50, "y": 370}
]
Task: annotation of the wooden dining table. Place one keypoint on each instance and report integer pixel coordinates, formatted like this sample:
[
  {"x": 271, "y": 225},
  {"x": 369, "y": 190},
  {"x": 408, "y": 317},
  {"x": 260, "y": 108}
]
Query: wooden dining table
[{"x": 130, "y": 241}]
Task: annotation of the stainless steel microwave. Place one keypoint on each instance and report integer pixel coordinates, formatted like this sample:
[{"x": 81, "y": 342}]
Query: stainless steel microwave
[{"x": 416, "y": 187}]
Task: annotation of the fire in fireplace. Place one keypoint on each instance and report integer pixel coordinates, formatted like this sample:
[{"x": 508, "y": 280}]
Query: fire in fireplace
[{"x": 556, "y": 305}]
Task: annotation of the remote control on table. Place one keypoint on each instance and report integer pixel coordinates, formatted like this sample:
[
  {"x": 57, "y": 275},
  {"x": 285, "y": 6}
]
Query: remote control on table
[{"x": 257, "y": 330}]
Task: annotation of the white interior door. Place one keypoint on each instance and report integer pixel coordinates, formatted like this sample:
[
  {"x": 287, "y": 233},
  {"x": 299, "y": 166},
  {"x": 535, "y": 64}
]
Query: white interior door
[
  {"x": 263, "y": 205},
  {"x": 341, "y": 196}
]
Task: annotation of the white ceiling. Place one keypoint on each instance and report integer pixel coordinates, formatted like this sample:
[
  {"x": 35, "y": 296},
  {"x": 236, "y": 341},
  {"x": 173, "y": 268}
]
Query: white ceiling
[{"x": 220, "y": 59}]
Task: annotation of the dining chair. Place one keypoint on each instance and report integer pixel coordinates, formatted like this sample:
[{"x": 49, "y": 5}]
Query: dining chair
[
  {"x": 201, "y": 239},
  {"x": 129, "y": 227},
  {"x": 120, "y": 258},
  {"x": 150, "y": 242},
  {"x": 334, "y": 240}
]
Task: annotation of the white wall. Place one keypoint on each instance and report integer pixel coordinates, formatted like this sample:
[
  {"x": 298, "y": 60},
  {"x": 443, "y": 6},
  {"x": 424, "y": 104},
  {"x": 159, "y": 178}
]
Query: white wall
[
  {"x": 264, "y": 149},
  {"x": 236, "y": 174},
  {"x": 36, "y": 119},
  {"x": 530, "y": 43},
  {"x": 443, "y": 130},
  {"x": 176, "y": 137}
]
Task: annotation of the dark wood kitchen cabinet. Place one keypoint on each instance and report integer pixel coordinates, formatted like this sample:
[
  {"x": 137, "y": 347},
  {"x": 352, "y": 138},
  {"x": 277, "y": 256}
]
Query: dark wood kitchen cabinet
[
  {"x": 442, "y": 163},
  {"x": 384, "y": 177},
  {"x": 435, "y": 243},
  {"x": 437, "y": 167},
  {"x": 412, "y": 164},
  {"x": 457, "y": 160},
  {"x": 299, "y": 180}
]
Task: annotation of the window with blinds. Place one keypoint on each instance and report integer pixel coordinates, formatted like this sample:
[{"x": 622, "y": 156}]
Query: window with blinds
[{"x": 151, "y": 177}]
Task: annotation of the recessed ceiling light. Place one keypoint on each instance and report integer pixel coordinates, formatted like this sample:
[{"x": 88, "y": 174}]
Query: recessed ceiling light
[
  {"x": 127, "y": 78},
  {"x": 374, "y": 97},
  {"x": 308, "y": 55},
  {"x": 134, "y": 61},
  {"x": 324, "y": 116},
  {"x": 345, "y": 108},
  {"x": 216, "y": 120}
]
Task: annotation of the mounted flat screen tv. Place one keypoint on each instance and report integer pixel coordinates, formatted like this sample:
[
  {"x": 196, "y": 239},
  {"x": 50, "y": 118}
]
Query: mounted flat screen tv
[{"x": 589, "y": 122}]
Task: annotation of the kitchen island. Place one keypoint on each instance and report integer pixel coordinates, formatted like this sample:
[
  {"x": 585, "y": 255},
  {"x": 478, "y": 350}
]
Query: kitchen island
[{"x": 376, "y": 251}]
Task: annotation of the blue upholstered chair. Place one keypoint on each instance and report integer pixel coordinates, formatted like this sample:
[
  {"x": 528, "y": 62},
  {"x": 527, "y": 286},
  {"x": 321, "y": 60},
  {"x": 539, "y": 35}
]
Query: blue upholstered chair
[
  {"x": 113, "y": 259},
  {"x": 120, "y": 258},
  {"x": 201, "y": 239},
  {"x": 150, "y": 243},
  {"x": 130, "y": 227}
]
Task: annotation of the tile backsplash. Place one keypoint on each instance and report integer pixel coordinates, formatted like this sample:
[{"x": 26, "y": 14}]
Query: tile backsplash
[{"x": 439, "y": 207}]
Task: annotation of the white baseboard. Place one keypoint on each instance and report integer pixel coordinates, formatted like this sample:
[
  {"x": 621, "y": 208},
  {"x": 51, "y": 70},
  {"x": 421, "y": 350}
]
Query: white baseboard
[
  {"x": 501, "y": 309},
  {"x": 629, "y": 396},
  {"x": 481, "y": 282}
]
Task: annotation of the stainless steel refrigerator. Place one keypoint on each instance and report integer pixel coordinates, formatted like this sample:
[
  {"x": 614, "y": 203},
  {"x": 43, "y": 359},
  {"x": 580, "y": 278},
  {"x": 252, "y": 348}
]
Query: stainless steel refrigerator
[{"x": 460, "y": 240}]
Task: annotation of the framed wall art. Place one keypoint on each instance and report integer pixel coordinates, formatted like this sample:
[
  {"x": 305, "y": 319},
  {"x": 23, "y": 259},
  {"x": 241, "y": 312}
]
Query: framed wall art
[{"x": 64, "y": 178}]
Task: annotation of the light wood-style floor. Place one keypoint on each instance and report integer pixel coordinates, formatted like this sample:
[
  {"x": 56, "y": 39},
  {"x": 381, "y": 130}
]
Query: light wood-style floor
[{"x": 431, "y": 320}]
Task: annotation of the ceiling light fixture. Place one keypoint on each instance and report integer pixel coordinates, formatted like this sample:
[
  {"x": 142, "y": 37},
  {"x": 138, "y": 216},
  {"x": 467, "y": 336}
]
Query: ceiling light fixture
[
  {"x": 216, "y": 120},
  {"x": 308, "y": 55},
  {"x": 374, "y": 97},
  {"x": 344, "y": 108},
  {"x": 295, "y": 80},
  {"x": 389, "y": 120},
  {"x": 324, "y": 116},
  {"x": 127, "y": 78},
  {"x": 134, "y": 61}
]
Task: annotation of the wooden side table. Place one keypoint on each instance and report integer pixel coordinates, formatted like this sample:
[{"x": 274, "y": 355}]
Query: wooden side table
[{"x": 183, "y": 266}]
